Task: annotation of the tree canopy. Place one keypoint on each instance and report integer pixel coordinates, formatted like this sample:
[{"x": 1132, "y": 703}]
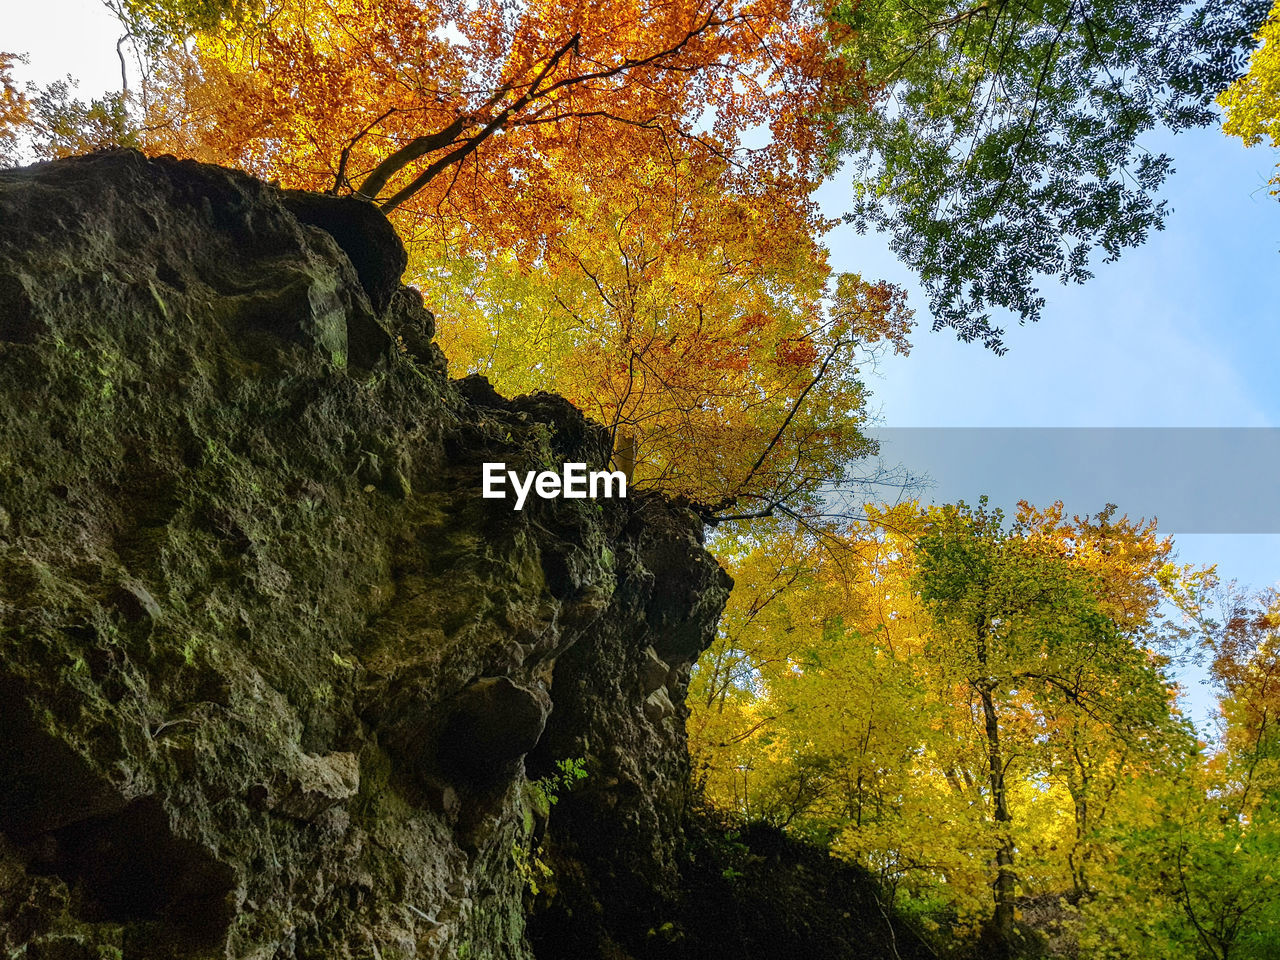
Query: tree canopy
[
  {"x": 1003, "y": 143},
  {"x": 14, "y": 109},
  {"x": 978, "y": 711},
  {"x": 612, "y": 201}
]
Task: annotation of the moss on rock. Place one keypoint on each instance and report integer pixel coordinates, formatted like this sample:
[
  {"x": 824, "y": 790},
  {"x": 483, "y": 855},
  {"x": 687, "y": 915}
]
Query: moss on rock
[{"x": 247, "y": 581}]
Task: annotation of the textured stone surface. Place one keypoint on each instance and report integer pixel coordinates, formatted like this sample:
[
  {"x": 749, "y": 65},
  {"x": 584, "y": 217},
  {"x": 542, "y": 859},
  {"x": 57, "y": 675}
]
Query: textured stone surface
[
  {"x": 274, "y": 678},
  {"x": 270, "y": 665}
]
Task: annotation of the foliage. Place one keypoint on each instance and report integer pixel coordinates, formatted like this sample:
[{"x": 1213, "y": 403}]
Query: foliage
[
  {"x": 616, "y": 201},
  {"x": 853, "y": 697},
  {"x": 531, "y": 868},
  {"x": 1193, "y": 876},
  {"x": 1027, "y": 624},
  {"x": 45, "y": 123},
  {"x": 586, "y": 208},
  {"x": 1004, "y": 141},
  {"x": 422, "y": 102},
  {"x": 549, "y": 788},
  {"x": 529, "y": 856},
  {"x": 62, "y": 125},
  {"x": 1252, "y": 103},
  {"x": 689, "y": 319},
  {"x": 14, "y": 109},
  {"x": 156, "y": 23},
  {"x": 996, "y": 142}
]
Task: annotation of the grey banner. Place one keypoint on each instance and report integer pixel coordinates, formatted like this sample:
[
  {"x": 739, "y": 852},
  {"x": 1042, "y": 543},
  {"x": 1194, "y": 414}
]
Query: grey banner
[{"x": 1191, "y": 479}]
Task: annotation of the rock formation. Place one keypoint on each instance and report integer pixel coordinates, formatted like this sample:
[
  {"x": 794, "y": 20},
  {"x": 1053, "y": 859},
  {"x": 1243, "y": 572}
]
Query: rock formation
[{"x": 274, "y": 678}]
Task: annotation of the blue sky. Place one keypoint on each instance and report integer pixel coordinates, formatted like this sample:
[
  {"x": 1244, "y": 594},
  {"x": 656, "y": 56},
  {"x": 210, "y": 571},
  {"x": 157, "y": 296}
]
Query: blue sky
[{"x": 1182, "y": 332}]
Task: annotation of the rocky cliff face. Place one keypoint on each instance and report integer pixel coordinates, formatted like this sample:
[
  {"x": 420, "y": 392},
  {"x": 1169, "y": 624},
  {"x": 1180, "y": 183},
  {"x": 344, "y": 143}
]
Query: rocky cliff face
[
  {"x": 270, "y": 666},
  {"x": 275, "y": 680}
]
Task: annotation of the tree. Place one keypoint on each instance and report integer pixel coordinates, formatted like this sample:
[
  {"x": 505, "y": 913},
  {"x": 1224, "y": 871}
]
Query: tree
[
  {"x": 997, "y": 142},
  {"x": 1252, "y": 103},
  {"x": 690, "y": 318},
  {"x": 60, "y": 124},
  {"x": 816, "y": 709},
  {"x": 1038, "y": 637},
  {"x": 441, "y": 109},
  {"x": 583, "y": 208},
  {"x": 1198, "y": 847},
  {"x": 1003, "y": 140},
  {"x": 45, "y": 123},
  {"x": 798, "y": 716},
  {"x": 156, "y": 23},
  {"x": 852, "y": 697}
]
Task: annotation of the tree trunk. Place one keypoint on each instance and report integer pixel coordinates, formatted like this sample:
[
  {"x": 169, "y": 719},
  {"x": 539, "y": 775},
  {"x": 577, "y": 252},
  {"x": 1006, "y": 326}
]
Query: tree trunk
[
  {"x": 1079, "y": 854},
  {"x": 1006, "y": 879}
]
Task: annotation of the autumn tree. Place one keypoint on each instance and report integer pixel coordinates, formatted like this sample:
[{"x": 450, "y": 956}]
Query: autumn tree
[
  {"x": 850, "y": 696},
  {"x": 693, "y": 320},
  {"x": 995, "y": 142},
  {"x": 46, "y": 122},
  {"x": 795, "y": 704},
  {"x": 1195, "y": 850},
  {"x": 443, "y": 109},
  {"x": 1037, "y": 636},
  {"x": 613, "y": 202},
  {"x": 154, "y": 24},
  {"x": 1246, "y": 668},
  {"x": 1252, "y": 103}
]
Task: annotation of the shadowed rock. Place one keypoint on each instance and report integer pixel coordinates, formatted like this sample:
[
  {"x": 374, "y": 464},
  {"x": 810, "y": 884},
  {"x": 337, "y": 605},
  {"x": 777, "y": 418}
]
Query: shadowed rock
[
  {"x": 492, "y": 722},
  {"x": 363, "y": 233}
]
